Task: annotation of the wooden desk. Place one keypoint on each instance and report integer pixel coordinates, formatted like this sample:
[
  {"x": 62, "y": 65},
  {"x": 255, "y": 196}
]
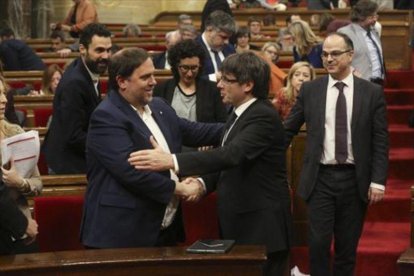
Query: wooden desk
[
  {"x": 241, "y": 260},
  {"x": 406, "y": 263}
]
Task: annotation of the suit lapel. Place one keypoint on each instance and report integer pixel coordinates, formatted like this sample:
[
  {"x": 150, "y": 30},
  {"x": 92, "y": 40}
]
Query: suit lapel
[
  {"x": 356, "y": 104},
  {"x": 126, "y": 108},
  {"x": 321, "y": 101}
]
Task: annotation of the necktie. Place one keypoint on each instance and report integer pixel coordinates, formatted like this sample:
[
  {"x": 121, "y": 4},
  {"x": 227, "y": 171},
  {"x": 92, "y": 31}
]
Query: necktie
[
  {"x": 377, "y": 50},
  {"x": 341, "y": 141},
  {"x": 217, "y": 59},
  {"x": 229, "y": 124}
]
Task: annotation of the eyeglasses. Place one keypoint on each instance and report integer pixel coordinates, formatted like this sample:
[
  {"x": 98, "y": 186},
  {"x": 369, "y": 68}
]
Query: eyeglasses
[
  {"x": 227, "y": 81},
  {"x": 186, "y": 68},
  {"x": 334, "y": 54}
]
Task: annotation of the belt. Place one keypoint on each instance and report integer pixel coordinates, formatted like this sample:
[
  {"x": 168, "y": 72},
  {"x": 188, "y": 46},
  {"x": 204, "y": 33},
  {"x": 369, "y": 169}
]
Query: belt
[{"x": 337, "y": 166}]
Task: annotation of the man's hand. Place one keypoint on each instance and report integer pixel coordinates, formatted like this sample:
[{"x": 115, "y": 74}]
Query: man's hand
[
  {"x": 64, "y": 52},
  {"x": 190, "y": 189},
  {"x": 31, "y": 231},
  {"x": 151, "y": 160},
  {"x": 375, "y": 195}
]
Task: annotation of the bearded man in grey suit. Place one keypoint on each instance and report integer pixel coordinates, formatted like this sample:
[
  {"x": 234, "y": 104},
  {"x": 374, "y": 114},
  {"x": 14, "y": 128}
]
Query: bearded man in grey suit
[{"x": 346, "y": 158}]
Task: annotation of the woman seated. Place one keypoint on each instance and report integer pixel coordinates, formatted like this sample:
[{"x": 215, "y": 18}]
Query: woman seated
[
  {"x": 192, "y": 98},
  {"x": 51, "y": 79},
  {"x": 285, "y": 98},
  {"x": 307, "y": 46},
  {"x": 243, "y": 41},
  {"x": 18, "y": 186},
  {"x": 271, "y": 51}
]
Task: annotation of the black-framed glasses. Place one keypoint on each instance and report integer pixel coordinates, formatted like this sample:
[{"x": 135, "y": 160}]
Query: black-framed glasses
[
  {"x": 227, "y": 81},
  {"x": 334, "y": 54},
  {"x": 186, "y": 68}
]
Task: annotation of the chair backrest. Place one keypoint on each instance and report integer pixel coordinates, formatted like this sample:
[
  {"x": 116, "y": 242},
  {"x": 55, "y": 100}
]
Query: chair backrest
[
  {"x": 41, "y": 116},
  {"x": 59, "y": 219}
]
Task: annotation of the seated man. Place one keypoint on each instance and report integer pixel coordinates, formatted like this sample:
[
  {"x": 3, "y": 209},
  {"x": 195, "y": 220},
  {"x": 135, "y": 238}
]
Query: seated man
[
  {"x": 16, "y": 55},
  {"x": 161, "y": 60},
  {"x": 59, "y": 44}
]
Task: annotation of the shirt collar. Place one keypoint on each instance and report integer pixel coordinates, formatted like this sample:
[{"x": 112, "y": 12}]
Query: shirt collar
[
  {"x": 348, "y": 80},
  {"x": 147, "y": 111},
  {"x": 241, "y": 108},
  {"x": 203, "y": 37}
]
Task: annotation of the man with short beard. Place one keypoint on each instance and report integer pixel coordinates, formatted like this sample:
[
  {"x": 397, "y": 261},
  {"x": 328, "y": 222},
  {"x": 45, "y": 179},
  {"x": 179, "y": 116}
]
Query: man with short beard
[{"x": 76, "y": 97}]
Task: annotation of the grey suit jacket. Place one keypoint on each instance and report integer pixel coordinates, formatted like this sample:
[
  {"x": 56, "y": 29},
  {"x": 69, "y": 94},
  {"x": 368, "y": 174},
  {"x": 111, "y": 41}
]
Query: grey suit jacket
[
  {"x": 361, "y": 60},
  {"x": 368, "y": 131}
]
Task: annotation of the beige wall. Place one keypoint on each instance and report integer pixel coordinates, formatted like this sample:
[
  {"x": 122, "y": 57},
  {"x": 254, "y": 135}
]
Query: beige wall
[{"x": 130, "y": 11}]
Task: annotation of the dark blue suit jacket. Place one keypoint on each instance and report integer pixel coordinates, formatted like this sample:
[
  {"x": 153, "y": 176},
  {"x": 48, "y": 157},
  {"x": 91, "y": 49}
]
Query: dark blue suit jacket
[
  {"x": 73, "y": 104},
  {"x": 208, "y": 67},
  {"x": 159, "y": 61},
  {"x": 18, "y": 56},
  {"x": 124, "y": 207}
]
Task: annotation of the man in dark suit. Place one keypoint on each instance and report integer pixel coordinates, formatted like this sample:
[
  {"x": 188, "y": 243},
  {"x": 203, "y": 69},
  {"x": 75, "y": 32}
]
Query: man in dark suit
[
  {"x": 250, "y": 169},
  {"x": 346, "y": 157},
  {"x": 125, "y": 207},
  {"x": 161, "y": 60},
  {"x": 215, "y": 41},
  {"x": 13, "y": 223},
  {"x": 17, "y": 55},
  {"x": 215, "y": 5},
  {"x": 76, "y": 97}
]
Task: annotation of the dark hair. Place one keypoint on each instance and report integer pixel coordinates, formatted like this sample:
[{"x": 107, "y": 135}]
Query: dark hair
[
  {"x": 269, "y": 20},
  {"x": 252, "y": 19},
  {"x": 6, "y": 32},
  {"x": 124, "y": 63},
  {"x": 58, "y": 34},
  {"x": 221, "y": 21},
  {"x": 348, "y": 42},
  {"x": 248, "y": 67},
  {"x": 362, "y": 10},
  {"x": 185, "y": 49},
  {"x": 91, "y": 30},
  {"x": 243, "y": 31}
]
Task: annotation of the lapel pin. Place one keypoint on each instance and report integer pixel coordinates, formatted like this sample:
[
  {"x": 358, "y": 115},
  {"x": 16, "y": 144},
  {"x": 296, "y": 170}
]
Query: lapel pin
[{"x": 160, "y": 112}]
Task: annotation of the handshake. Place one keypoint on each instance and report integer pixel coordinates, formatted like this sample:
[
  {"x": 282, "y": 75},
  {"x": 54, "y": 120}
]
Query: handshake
[{"x": 190, "y": 189}]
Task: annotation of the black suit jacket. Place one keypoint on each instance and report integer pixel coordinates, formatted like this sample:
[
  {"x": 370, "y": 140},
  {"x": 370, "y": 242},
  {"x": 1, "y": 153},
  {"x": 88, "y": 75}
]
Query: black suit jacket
[
  {"x": 73, "y": 104},
  {"x": 253, "y": 195},
  {"x": 13, "y": 222},
  {"x": 209, "y": 107},
  {"x": 18, "y": 56},
  {"x": 368, "y": 130}
]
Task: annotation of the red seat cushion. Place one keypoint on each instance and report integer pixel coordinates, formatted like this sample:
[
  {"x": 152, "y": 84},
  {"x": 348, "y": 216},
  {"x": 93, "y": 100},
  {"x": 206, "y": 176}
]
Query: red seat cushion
[
  {"x": 41, "y": 116},
  {"x": 59, "y": 220}
]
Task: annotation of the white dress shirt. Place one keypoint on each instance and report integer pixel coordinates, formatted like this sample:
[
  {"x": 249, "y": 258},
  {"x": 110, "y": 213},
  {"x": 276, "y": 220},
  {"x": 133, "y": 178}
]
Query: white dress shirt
[
  {"x": 149, "y": 121},
  {"x": 328, "y": 155},
  {"x": 212, "y": 77}
]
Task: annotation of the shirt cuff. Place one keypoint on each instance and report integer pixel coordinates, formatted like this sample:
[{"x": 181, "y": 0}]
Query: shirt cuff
[
  {"x": 377, "y": 186},
  {"x": 212, "y": 77},
  {"x": 202, "y": 183},
  {"x": 176, "y": 167}
]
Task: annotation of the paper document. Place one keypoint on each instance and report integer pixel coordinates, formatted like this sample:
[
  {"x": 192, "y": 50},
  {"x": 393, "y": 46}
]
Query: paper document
[{"x": 24, "y": 149}]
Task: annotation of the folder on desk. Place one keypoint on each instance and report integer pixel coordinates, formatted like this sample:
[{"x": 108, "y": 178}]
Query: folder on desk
[{"x": 210, "y": 246}]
